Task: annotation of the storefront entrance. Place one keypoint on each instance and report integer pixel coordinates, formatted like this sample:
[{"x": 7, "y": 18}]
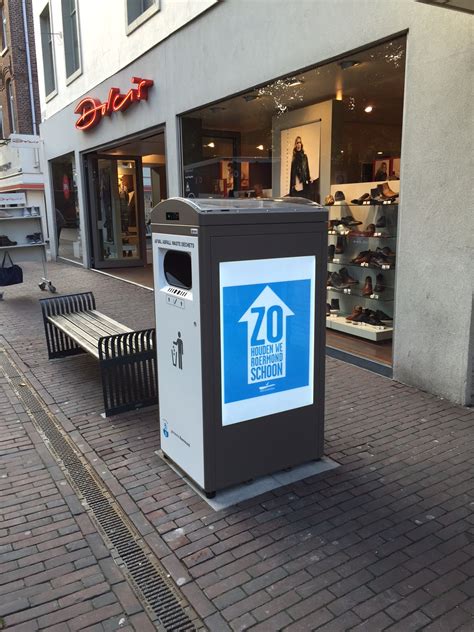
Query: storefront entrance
[{"x": 125, "y": 182}]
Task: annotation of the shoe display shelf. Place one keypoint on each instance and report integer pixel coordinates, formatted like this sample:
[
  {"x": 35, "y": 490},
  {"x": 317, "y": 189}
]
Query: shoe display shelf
[
  {"x": 373, "y": 231},
  {"x": 363, "y": 330},
  {"x": 16, "y": 224}
]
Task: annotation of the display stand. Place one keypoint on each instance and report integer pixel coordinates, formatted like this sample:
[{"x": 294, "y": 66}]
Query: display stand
[
  {"x": 16, "y": 223},
  {"x": 368, "y": 282}
]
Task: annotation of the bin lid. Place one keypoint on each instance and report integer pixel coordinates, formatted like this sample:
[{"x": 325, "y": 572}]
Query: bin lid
[{"x": 200, "y": 211}]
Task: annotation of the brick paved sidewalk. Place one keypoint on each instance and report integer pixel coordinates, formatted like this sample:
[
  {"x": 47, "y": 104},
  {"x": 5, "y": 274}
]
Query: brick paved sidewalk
[{"x": 385, "y": 542}]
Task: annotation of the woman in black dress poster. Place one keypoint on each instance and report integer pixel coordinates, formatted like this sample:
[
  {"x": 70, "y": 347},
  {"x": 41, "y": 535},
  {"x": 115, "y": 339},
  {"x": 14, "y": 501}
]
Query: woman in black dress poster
[{"x": 299, "y": 176}]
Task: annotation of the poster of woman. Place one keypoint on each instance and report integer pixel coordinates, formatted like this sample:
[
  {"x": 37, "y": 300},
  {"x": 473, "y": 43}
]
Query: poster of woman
[{"x": 300, "y": 153}]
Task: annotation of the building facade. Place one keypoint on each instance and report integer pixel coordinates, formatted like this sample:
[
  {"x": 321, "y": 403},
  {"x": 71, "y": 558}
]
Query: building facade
[{"x": 144, "y": 101}]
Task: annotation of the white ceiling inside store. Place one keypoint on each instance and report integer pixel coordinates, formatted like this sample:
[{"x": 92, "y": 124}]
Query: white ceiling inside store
[{"x": 376, "y": 79}]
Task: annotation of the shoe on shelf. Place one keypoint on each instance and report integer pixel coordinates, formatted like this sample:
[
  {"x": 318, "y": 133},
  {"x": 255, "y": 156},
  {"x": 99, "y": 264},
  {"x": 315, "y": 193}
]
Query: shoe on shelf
[
  {"x": 379, "y": 283},
  {"x": 335, "y": 308},
  {"x": 367, "y": 290},
  {"x": 6, "y": 241},
  {"x": 329, "y": 281},
  {"x": 346, "y": 278},
  {"x": 4, "y": 214},
  {"x": 329, "y": 200},
  {"x": 363, "y": 198},
  {"x": 381, "y": 223},
  {"x": 350, "y": 221},
  {"x": 386, "y": 191},
  {"x": 27, "y": 211},
  {"x": 35, "y": 211},
  {"x": 339, "y": 196},
  {"x": 35, "y": 238},
  {"x": 331, "y": 251},
  {"x": 337, "y": 281},
  {"x": 370, "y": 230},
  {"x": 339, "y": 245},
  {"x": 356, "y": 312}
]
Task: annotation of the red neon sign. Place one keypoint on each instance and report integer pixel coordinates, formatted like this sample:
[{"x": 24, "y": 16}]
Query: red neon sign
[{"x": 91, "y": 110}]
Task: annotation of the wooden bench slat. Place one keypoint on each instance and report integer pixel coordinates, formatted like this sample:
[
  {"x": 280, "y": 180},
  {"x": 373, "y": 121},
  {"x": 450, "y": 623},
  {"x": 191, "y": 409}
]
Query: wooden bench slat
[
  {"x": 113, "y": 322},
  {"x": 95, "y": 325},
  {"x": 87, "y": 342}
]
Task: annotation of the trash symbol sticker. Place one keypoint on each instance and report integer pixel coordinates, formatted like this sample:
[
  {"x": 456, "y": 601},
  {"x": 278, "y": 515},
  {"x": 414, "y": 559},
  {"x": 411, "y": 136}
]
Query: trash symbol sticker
[{"x": 267, "y": 337}]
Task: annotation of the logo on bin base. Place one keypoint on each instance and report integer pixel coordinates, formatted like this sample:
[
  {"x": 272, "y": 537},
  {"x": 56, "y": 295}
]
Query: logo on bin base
[{"x": 165, "y": 428}]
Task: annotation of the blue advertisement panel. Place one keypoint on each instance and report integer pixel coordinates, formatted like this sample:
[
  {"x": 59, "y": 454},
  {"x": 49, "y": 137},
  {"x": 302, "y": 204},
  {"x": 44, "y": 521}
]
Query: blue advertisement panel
[{"x": 267, "y": 335}]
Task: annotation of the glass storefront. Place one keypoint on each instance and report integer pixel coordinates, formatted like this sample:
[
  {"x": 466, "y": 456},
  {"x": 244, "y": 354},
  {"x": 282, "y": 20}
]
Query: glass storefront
[
  {"x": 68, "y": 228},
  {"x": 332, "y": 134}
]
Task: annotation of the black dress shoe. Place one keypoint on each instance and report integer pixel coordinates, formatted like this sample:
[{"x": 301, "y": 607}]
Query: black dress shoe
[
  {"x": 363, "y": 198},
  {"x": 335, "y": 305},
  {"x": 331, "y": 251},
  {"x": 381, "y": 223},
  {"x": 380, "y": 284},
  {"x": 6, "y": 241}
]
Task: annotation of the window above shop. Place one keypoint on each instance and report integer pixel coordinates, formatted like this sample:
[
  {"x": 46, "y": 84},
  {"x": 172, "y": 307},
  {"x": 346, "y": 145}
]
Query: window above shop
[
  {"x": 139, "y": 11},
  {"x": 72, "y": 51},
  {"x": 3, "y": 31},
  {"x": 48, "y": 52}
]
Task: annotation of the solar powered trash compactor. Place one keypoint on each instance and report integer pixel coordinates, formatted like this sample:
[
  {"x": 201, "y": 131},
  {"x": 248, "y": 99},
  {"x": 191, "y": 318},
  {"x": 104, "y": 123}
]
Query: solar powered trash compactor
[{"x": 240, "y": 327}]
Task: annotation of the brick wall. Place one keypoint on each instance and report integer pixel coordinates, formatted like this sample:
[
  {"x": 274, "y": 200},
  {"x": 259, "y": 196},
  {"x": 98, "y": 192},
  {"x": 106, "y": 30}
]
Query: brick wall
[{"x": 13, "y": 67}]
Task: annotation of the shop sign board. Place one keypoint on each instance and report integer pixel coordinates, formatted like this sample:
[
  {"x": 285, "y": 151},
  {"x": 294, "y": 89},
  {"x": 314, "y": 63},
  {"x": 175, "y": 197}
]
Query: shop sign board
[
  {"x": 267, "y": 336},
  {"x": 18, "y": 199},
  {"x": 24, "y": 141},
  {"x": 91, "y": 110}
]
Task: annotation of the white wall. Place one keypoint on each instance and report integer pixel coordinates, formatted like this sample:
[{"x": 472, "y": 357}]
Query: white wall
[
  {"x": 105, "y": 45},
  {"x": 242, "y": 43}
]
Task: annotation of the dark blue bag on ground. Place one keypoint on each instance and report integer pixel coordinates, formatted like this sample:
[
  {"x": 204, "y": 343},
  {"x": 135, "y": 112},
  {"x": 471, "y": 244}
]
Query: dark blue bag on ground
[{"x": 12, "y": 274}]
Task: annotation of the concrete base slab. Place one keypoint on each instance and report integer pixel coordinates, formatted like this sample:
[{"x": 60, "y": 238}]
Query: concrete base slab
[{"x": 238, "y": 493}]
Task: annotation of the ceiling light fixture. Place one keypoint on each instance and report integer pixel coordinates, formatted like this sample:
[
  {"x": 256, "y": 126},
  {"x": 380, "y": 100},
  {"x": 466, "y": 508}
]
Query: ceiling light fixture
[
  {"x": 369, "y": 109},
  {"x": 379, "y": 153},
  {"x": 212, "y": 144},
  {"x": 261, "y": 147}
]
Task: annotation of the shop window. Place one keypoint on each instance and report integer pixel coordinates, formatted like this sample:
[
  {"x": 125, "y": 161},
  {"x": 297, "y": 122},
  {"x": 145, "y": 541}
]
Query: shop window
[
  {"x": 331, "y": 134},
  {"x": 3, "y": 30},
  {"x": 138, "y": 11},
  {"x": 68, "y": 228},
  {"x": 71, "y": 38},
  {"x": 47, "y": 50},
  {"x": 11, "y": 107}
]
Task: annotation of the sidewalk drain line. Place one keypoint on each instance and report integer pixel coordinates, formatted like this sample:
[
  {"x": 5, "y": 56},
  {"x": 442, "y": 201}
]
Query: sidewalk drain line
[{"x": 147, "y": 576}]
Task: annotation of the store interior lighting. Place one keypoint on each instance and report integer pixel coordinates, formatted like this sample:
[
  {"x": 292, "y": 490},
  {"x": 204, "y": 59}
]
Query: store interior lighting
[{"x": 368, "y": 109}]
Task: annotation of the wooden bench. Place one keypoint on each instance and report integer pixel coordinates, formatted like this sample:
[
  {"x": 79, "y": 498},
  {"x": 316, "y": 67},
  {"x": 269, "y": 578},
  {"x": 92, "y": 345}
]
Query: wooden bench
[{"x": 127, "y": 358}]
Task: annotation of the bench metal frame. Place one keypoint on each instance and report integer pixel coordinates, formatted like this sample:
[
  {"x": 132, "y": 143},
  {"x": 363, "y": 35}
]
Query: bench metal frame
[{"x": 127, "y": 360}]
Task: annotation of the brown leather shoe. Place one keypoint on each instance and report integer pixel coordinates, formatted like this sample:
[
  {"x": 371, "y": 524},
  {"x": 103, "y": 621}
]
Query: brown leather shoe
[
  {"x": 356, "y": 312},
  {"x": 386, "y": 191},
  {"x": 367, "y": 289}
]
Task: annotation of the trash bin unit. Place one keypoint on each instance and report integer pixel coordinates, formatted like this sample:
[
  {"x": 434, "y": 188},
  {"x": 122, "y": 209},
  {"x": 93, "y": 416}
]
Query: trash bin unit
[{"x": 240, "y": 326}]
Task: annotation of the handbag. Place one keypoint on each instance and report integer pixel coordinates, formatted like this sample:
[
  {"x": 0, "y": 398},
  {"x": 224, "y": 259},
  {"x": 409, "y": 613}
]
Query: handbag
[{"x": 12, "y": 274}]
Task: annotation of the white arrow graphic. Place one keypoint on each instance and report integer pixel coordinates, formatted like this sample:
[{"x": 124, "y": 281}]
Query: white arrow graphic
[{"x": 266, "y": 336}]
